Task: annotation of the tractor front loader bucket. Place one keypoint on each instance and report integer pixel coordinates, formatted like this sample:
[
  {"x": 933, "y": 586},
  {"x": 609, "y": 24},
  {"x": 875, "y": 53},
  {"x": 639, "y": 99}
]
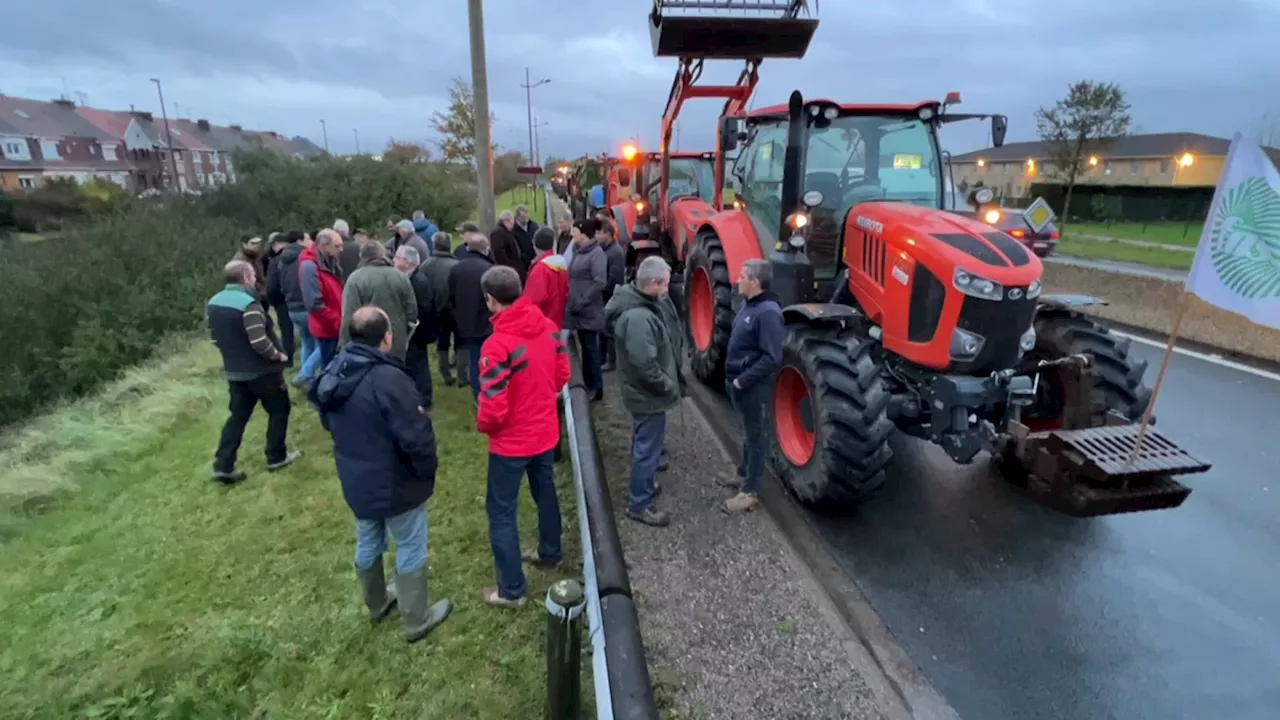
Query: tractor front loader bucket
[{"x": 730, "y": 29}]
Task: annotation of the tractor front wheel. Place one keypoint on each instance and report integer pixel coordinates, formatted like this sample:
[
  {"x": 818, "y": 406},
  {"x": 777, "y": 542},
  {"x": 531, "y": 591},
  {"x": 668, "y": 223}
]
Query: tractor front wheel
[
  {"x": 830, "y": 418},
  {"x": 709, "y": 307}
]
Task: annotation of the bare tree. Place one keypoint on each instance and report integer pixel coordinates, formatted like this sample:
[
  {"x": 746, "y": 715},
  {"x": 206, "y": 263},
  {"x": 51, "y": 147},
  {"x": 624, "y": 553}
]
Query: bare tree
[{"x": 1085, "y": 122}]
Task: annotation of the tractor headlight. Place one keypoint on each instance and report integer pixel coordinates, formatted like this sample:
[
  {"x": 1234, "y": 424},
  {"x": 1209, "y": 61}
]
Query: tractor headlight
[
  {"x": 1033, "y": 290},
  {"x": 1027, "y": 342},
  {"x": 797, "y": 220},
  {"x": 965, "y": 345},
  {"x": 992, "y": 216},
  {"x": 977, "y": 286}
]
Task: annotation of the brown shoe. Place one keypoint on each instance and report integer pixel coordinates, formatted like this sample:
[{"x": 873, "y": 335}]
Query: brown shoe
[
  {"x": 491, "y": 596},
  {"x": 742, "y": 502}
]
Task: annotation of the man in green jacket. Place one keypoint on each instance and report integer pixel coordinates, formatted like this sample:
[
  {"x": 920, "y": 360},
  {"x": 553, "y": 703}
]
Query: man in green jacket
[
  {"x": 649, "y": 350},
  {"x": 376, "y": 282}
]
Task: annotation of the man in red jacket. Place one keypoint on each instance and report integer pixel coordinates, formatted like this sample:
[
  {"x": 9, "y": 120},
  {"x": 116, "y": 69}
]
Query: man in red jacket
[
  {"x": 319, "y": 274},
  {"x": 523, "y": 367},
  {"x": 548, "y": 287}
]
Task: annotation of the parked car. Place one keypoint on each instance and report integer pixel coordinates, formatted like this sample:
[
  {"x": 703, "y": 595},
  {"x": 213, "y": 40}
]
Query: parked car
[{"x": 1016, "y": 226}]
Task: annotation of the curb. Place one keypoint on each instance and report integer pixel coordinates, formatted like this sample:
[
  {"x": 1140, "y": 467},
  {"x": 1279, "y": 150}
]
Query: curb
[
  {"x": 894, "y": 673},
  {"x": 1253, "y": 361}
]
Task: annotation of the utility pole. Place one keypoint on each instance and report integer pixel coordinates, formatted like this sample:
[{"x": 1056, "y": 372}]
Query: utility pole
[
  {"x": 357, "y": 133},
  {"x": 537, "y": 140},
  {"x": 324, "y": 129},
  {"x": 480, "y": 93},
  {"x": 168, "y": 134},
  {"x": 528, "y": 101}
]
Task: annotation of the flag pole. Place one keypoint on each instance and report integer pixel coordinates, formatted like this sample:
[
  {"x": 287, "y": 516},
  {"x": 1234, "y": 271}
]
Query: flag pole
[{"x": 1183, "y": 302}]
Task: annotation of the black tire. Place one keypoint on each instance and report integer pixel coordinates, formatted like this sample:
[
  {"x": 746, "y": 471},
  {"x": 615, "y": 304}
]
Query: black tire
[
  {"x": 851, "y": 426},
  {"x": 708, "y": 255}
]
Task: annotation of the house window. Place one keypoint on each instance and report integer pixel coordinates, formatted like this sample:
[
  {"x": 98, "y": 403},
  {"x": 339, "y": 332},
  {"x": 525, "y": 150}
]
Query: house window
[
  {"x": 49, "y": 148},
  {"x": 26, "y": 181},
  {"x": 1134, "y": 166},
  {"x": 213, "y": 157},
  {"x": 1106, "y": 168},
  {"x": 12, "y": 148},
  {"x": 1008, "y": 168},
  {"x": 93, "y": 149},
  {"x": 1164, "y": 167}
]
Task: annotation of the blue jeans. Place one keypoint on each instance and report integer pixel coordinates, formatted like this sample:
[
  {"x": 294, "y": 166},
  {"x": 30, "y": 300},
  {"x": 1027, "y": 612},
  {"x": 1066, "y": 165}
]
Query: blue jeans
[
  {"x": 473, "y": 363},
  {"x": 500, "y": 503},
  {"x": 306, "y": 367},
  {"x": 326, "y": 348},
  {"x": 649, "y": 433},
  {"x": 751, "y": 406},
  {"x": 408, "y": 529},
  {"x": 589, "y": 343}
]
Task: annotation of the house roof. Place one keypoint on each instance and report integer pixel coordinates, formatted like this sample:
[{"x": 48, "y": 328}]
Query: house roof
[
  {"x": 189, "y": 135},
  {"x": 1154, "y": 145},
  {"x": 49, "y": 120},
  {"x": 115, "y": 124},
  {"x": 306, "y": 147}
]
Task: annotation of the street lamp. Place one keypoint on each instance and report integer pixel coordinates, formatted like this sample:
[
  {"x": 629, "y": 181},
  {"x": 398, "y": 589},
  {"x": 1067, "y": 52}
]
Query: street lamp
[
  {"x": 528, "y": 100},
  {"x": 168, "y": 134},
  {"x": 357, "y": 134},
  {"x": 537, "y": 140}
]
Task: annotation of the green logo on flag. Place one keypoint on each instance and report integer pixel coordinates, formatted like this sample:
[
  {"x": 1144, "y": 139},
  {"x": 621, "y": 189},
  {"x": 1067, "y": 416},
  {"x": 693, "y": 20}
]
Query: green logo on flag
[{"x": 1245, "y": 240}]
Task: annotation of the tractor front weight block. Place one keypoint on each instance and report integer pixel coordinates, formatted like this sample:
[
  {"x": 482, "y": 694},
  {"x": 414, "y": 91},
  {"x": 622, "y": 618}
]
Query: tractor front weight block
[{"x": 1090, "y": 471}]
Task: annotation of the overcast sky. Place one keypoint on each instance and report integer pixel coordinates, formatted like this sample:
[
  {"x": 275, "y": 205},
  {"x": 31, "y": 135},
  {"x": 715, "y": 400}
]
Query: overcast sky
[{"x": 383, "y": 66}]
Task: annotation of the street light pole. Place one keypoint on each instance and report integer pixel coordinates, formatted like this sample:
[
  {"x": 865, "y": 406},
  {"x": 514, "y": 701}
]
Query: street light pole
[
  {"x": 528, "y": 100},
  {"x": 357, "y": 133},
  {"x": 480, "y": 94},
  {"x": 325, "y": 130},
  {"x": 537, "y": 140},
  {"x": 168, "y": 134}
]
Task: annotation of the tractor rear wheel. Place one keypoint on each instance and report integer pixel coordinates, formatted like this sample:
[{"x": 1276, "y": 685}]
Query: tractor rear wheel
[
  {"x": 1118, "y": 377},
  {"x": 830, "y": 417},
  {"x": 709, "y": 312}
]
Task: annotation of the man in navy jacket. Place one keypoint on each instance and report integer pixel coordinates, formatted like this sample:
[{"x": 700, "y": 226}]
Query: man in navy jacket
[
  {"x": 751, "y": 361},
  {"x": 385, "y": 450}
]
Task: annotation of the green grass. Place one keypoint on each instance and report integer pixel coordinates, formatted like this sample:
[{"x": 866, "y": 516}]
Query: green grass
[
  {"x": 31, "y": 237},
  {"x": 1176, "y": 233},
  {"x": 508, "y": 200},
  {"x": 133, "y": 586},
  {"x": 1106, "y": 250}
]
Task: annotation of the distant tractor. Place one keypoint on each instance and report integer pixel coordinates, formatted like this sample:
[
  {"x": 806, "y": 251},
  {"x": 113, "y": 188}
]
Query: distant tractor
[{"x": 901, "y": 316}]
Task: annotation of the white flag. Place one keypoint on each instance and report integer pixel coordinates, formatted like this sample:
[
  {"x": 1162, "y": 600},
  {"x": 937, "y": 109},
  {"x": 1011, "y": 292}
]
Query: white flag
[{"x": 1237, "y": 265}]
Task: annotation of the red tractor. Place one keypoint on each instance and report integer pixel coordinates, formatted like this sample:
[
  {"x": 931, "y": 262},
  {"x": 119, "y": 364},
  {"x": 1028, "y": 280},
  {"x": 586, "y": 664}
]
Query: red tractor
[{"x": 901, "y": 316}]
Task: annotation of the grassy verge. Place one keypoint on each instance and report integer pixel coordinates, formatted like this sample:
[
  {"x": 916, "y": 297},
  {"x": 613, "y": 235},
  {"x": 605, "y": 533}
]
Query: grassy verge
[
  {"x": 31, "y": 237},
  {"x": 1106, "y": 250},
  {"x": 132, "y": 586},
  {"x": 510, "y": 199},
  {"x": 1149, "y": 303},
  {"x": 1177, "y": 233}
]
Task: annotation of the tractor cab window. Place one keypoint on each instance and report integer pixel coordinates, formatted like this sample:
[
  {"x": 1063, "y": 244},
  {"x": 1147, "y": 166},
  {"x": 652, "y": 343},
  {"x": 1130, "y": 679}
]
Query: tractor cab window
[
  {"x": 861, "y": 158},
  {"x": 690, "y": 177},
  {"x": 760, "y": 169}
]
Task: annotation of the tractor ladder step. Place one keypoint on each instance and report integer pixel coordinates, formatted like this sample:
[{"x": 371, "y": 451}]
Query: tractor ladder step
[{"x": 1093, "y": 471}]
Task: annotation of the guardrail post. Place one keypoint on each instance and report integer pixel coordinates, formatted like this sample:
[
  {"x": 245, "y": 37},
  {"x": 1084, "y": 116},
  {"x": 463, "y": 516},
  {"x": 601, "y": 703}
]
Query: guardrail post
[{"x": 565, "y": 602}]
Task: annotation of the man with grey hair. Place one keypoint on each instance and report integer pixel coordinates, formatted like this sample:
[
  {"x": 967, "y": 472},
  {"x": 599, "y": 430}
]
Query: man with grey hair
[
  {"x": 523, "y": 229},
  {"x": 254, "y": 368},
  {"x": 650, "y": 345},
  {"x": 415, "y": 357},
  {"x": 505, "y": 249},
  {"x": 466, "y": 297},
  {"x": 405, "y": 235},
  {"x": 436, "y": 269},
  {"x": 752, "y": 358},
  {"x": 423, "y": 226},
  {"x": 320, "y": 276},
  {"x": 349, "y": 258},
  {"x": 377, "y": 283}
]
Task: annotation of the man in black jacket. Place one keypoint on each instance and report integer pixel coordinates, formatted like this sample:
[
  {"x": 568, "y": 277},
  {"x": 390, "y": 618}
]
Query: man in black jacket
[
  {"x": 276, "y": 244},
  {"x": 285, "y": 268},
  {"x": 470, "y": 312},
  {"x": 424, "y": 333},
  {"x": 254, "y": 367},
  {"x": 385, "y": 451},
  {"x": 523, "y": 230},
  {"x": 436, "y": 269}
]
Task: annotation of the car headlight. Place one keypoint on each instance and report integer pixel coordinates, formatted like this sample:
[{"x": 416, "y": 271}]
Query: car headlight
[
  {"x": 965, "y": 345},
  {"x": 1027, "y": 342},
  {"x": 977, "y": 286},
  {"x": 992, "y": 216},
  {"x": 1033, "y": 290}
]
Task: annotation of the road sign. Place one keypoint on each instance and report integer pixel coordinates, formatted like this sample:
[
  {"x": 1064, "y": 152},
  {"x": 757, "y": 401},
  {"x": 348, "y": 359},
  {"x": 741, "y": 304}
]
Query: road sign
[
  {"x": 529, "y": 170},
  {"x": 1038, "y": 215}
]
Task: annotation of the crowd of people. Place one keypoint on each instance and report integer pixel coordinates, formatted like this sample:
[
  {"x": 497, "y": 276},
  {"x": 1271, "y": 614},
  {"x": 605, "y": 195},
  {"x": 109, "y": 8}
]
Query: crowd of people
[{"x": 357, "y": 318}]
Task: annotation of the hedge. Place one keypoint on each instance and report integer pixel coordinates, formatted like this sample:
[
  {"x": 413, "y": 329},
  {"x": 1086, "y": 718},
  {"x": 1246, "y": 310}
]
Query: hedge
[{"x": 78, "y": 309}]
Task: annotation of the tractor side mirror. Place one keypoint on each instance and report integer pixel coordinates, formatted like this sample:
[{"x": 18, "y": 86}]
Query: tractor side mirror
[
  {"x": 624, "y": 176},
  {"x": 730, "y": 133},
  {"x": 999, "y": 126}
]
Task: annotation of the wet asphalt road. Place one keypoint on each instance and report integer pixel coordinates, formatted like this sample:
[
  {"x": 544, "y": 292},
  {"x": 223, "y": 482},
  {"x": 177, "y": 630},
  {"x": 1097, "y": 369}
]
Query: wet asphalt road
[{"x": 1013, "y": 611}]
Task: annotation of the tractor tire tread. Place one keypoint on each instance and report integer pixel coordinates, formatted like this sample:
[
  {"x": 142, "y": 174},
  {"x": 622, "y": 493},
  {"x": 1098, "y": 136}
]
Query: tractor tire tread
[{"x": 708, "y": 365}]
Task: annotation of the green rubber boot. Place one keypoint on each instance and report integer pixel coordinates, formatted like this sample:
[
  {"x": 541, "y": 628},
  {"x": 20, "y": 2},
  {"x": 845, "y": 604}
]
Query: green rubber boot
[
  {"x": 419, "y": 619},
  {"x": 378, "y": 596}
]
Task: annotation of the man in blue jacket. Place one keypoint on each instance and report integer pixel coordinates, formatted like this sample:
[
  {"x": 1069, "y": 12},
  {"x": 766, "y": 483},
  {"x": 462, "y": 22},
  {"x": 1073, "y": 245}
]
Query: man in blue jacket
[
  {"x": 751, "y": 361},
  {"x": 385, "y": 450}
]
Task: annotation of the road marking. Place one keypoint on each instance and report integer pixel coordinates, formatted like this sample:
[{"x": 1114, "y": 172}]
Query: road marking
[{"x": 1207, "y": 357}]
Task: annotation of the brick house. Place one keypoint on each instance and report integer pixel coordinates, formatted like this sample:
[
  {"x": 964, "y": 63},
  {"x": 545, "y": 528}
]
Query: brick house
[
  {"x": 59, "y": 142},
  {"x": 19, "y": 168}
]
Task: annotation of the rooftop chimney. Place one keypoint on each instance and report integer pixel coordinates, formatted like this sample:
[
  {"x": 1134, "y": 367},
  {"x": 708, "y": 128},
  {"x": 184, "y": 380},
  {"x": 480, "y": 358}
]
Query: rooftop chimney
[
  {"x": 237, "y": 128},
  {"x": 143, "y": 114},
  {"x": 203, "y": 125},
  {"x": 64, "y": 103}
]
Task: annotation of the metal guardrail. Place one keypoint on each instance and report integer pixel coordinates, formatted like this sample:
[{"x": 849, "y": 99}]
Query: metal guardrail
[{"x": 620, "y": 670}]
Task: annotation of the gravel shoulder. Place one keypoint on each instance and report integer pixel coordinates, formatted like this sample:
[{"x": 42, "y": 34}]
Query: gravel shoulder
[{"x": 732, "y": 624}]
